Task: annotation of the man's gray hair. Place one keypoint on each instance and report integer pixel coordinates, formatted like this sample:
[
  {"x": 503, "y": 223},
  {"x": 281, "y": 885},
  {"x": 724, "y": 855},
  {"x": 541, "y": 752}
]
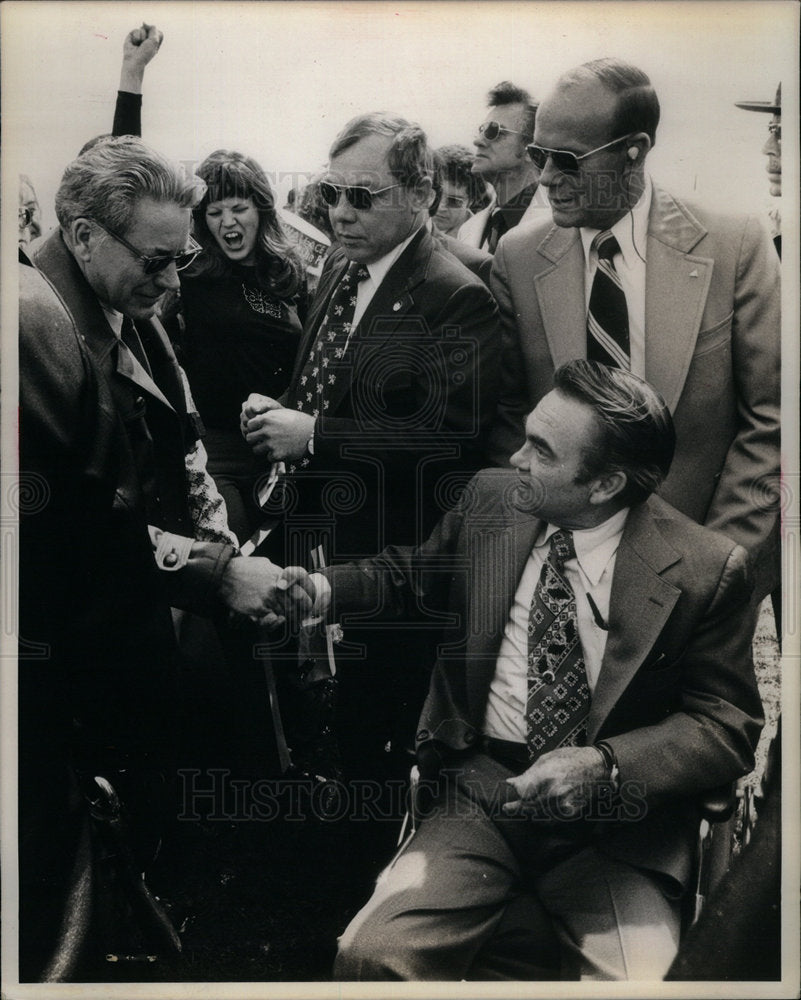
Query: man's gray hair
[
  {"x": 409, "y": 157},
  {"x": 107, "y": 182}
]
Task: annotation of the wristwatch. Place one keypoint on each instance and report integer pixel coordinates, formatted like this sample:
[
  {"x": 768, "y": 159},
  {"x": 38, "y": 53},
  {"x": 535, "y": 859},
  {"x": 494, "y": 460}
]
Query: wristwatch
[{"x": 610, "y": 760}]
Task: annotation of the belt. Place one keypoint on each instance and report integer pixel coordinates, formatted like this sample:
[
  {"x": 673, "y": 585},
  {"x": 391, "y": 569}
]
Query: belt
[{"x": 513, "y": 755}]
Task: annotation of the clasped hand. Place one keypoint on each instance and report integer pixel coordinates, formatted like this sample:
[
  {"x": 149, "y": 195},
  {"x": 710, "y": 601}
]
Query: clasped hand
[
  {"x": 558, "y": 785},
  {"x": 271, "y": 430},
  {"x": 265, "y": 593}
]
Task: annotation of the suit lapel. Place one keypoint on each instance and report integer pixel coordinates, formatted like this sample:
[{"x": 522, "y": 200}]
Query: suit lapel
[
  {"x": 56, "y": 261},
  {"x": 676, "y": 287},
  {"x": 641, "y": 602},
  {"x": 560, "y": 292},
  {"x": 388, "y": 309}
]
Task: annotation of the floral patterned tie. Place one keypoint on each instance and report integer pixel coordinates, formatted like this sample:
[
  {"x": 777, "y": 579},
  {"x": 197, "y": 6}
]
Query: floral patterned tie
[{"x": 330, "y": 344}]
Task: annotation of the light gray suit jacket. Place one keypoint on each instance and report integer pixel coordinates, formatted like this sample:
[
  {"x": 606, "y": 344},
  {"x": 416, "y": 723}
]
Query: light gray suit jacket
[{"x": 712, "y": 349}]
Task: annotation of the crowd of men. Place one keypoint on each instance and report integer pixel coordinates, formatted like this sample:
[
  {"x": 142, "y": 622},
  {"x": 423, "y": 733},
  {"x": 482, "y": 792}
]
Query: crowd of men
[{"x": 563, "y": 638}]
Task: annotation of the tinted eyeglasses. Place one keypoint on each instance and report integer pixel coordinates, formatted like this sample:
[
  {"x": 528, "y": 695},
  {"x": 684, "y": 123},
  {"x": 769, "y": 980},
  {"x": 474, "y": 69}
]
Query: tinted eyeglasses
[
  {"x": 563, "y": 160},
  {"x": 159, "y": 263},
  {"x": 454, "y": 201},
  {"x": 493, "y": 130},
  {"x": 360, "y": 198}
]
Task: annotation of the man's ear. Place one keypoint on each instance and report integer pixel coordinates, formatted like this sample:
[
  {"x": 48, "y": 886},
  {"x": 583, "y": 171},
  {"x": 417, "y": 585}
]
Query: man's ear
[
  {"x": 82, "y": 238},
  {"x": 422, "y": 194},
  {"x": 607, "y": 486},
  {"x": 637, "y": 148}
]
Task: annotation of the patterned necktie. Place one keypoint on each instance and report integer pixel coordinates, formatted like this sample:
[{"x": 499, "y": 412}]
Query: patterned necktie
[
  {"x": 608, "y": 316},
  {"x": 558, "y": 700},
  {"x": 330, "y": 344}
]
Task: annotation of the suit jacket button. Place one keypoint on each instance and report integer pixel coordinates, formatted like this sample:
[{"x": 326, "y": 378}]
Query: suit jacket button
[
  {"x": 424, "y": 735},
  {"x": 470, "y": 736},
  {"x": 139, "y": 401}
]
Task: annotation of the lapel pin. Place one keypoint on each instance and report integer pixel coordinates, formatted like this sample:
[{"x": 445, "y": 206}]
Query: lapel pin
[
  {"x": 396, "y": 306},
  {"x": 694, "y": 274}
]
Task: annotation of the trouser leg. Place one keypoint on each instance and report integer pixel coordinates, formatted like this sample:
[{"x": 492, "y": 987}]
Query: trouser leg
[
  {"x": 439, "y": 904},
  {"x": 615, "y": 921}
]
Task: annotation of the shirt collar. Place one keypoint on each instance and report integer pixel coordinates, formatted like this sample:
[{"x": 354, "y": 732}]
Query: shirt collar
[
  {"x": 378, "y": 269},
  {"x": 114, "y": 320},
  {"x": 623, "y": 230},
  {"x": 594, "y": 546}
]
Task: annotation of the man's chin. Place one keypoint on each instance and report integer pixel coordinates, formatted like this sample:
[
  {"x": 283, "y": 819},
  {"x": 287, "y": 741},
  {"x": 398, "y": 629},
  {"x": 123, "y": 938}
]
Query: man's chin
[{"x": 142, "y": 308}]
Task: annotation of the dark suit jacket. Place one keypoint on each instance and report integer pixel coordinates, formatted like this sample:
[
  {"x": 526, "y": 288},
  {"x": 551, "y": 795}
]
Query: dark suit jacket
[
  {"x": 712, "y": 349},
  {"x": 473, "y": 258},
  {"x": 676, "y": 696},
  {"x": 406, "y": 418}
]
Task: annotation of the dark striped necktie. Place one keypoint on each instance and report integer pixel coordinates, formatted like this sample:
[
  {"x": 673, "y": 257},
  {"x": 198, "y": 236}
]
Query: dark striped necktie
[
  {"x": 608, "y": 315},
  {"x": 558, "y": 699}
]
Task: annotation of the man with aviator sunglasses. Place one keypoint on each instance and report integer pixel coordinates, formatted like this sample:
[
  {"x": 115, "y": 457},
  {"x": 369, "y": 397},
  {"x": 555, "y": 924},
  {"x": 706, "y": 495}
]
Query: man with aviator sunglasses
[
  {"x": 500, "y": 159},
  {"x": 395, "y": 382},
  {"x": 687, "y": 299}
]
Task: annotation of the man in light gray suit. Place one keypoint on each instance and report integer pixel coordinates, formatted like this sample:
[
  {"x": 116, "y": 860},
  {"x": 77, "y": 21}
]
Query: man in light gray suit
[{"x": 701, "y": 296}]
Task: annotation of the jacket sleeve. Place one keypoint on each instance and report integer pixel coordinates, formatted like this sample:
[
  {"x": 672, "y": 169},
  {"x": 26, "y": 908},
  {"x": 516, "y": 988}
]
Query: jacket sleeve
[
  {"x": 403, "y": 582},
  {"x": 506, "y": 434},
  {"x": 710, "y": 737},
  {"x": 191, "y": 570},
  {"x": 744, "y": 505}
]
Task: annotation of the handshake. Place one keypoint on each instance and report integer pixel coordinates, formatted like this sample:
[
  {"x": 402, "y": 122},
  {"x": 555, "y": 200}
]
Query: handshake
[{"x": 272, "y": 596}]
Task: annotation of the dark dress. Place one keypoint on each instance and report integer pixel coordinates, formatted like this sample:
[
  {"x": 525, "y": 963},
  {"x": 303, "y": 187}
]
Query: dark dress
[{"x": 238, "y": 339}]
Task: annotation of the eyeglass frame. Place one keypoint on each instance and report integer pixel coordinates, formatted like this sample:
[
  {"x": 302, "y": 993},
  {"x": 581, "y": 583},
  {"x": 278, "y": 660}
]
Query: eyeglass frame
[
  {"x": 482, "y": 130},
  {"x": 454, "y": 201},
  {"x": 348, "y": 189},
  {"x": 576, "y": 157},
  {"x": 161, "y": 261},
  {"x": 775, "y": 129}
]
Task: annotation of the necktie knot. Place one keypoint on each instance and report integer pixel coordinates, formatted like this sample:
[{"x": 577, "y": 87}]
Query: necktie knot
[
  {"x": 356, "y": 272},
  {"x": 606, "y": 245},
  {"x": 562, "y": 547}
]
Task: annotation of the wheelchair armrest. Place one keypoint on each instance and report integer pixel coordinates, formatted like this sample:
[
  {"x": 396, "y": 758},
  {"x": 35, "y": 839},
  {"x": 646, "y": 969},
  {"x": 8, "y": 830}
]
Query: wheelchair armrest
[{"x": 718, "y": 804}]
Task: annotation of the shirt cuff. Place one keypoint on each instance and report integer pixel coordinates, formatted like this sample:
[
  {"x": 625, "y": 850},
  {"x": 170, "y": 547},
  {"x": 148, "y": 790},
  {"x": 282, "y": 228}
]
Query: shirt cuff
[{"x": 322, "y": 595}]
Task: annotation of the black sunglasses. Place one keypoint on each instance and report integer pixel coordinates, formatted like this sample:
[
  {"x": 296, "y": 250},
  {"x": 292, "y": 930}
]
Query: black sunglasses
[
  {"x": 360, "y": 198},
  {"x": 491, "y": 130},
  {"x": 155, "y": 265},
  {"x": 564, "y": 161}
]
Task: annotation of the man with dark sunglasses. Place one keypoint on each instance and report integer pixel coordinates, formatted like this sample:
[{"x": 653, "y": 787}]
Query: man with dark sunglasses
[
  {"x": 631, "y": 276},
  {"x": 123, "y": 524},
  {"x": 501, "y": 160},
  {"x": 394, "y": 384}
]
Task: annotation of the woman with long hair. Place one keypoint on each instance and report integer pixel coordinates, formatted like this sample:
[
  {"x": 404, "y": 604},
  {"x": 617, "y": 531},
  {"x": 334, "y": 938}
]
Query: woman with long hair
[{"x": 244, "y": 301}]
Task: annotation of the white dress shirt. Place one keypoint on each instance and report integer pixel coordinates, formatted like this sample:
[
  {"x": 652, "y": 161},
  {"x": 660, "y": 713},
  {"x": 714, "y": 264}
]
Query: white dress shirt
[
  {"x": 590, "y": 573},
  {"x": 631, "y": 233},
  {"x": 378, "y": 271}
]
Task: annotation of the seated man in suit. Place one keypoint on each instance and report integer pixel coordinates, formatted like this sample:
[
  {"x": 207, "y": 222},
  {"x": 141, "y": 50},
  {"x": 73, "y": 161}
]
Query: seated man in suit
[
  {"x": 629, "y": 275},
  {"x": 594, "y": 678}
]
